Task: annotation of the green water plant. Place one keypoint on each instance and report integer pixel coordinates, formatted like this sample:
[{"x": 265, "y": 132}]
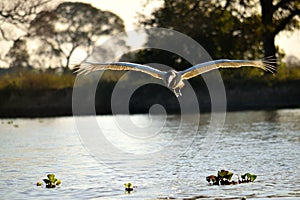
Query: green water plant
[
  {"x": 51, "y": 182},
  {"x": 129, "y": 187},
  {"x": 225, "y": 175},
  {"x": 246, "y": 178},
  {"x": 224, "y": 178}
]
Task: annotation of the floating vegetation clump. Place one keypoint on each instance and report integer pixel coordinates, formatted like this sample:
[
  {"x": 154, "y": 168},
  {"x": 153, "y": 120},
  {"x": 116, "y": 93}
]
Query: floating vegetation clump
[
  {"x": 246, "y": 178},
  {"x": 224, "y": 178},
  {"x": 129, "y": 187},
  {"x": 51, "y": 182}
]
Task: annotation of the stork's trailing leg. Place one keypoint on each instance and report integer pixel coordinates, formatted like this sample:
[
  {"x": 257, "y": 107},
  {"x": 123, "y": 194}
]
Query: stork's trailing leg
[{"x": 177, "y": 93}]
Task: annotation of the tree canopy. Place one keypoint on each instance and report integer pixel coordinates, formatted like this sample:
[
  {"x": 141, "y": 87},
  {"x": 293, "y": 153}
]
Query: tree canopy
[
  {"x": 274, "y": 16},
  {"x": 18, "y": 54},
  {"x": 42, "y": 34},
  {"x": 73, "y": 26},
  {"x": 220, "y": 32},
  {"x": 238, "y": 29},
  {"x": 17, "y": 15}
]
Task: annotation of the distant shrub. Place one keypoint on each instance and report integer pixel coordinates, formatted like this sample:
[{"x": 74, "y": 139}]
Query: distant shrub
[{"x": 288, "y": 73}]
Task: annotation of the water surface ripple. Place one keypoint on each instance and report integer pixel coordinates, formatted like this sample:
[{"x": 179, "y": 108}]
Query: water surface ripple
[{"x": 262, "y": 142}]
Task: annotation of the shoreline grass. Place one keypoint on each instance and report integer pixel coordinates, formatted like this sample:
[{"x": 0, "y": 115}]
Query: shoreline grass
[{"x": 27, "y": 79}]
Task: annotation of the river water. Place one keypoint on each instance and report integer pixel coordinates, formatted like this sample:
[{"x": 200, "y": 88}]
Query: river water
[{"x": 266, "y": 143}]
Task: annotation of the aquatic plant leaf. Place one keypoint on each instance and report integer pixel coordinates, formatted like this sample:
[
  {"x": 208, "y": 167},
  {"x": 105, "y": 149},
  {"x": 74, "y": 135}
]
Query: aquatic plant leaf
[
  {"x": 58, "y": 182},
  {"x": 253, "y": 177},
  {"x": 51, "y": 178},
  {"x": 46, "y": 181},
  {"x": 128, "y": 185},
  {"x": 39, "y": 184},
  {"x": 250, "y": 177},
  {"x": 225, "y": 174}
]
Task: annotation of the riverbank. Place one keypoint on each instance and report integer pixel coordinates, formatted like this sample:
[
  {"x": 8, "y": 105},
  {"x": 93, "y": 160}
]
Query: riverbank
[{"x": 58, "y": 102}]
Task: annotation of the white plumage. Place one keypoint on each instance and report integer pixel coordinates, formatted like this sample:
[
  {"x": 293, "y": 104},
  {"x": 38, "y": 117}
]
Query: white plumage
[{"x": 174, "y": 79}]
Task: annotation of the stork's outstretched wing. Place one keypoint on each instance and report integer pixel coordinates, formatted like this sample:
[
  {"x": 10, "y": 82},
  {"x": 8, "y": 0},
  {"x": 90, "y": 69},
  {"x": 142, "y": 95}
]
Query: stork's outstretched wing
[
  {"x": 215, "y": 64},
  {"x": 86, "y": 67}
]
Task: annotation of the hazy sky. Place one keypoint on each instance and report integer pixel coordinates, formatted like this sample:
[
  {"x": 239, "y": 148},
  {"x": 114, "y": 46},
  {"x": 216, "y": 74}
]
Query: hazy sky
[{"x": 128, "y": 10}]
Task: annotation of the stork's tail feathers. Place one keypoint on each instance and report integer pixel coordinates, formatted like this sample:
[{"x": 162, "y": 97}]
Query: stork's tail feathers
[
  {"x": 81, "y": 67},
  {"x": 268, "y": 64}
]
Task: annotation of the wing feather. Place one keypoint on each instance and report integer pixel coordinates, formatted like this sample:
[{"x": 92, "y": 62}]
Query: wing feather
[
  {"x": 215, "y": 64},
  {"x": 86, "y": 67}
]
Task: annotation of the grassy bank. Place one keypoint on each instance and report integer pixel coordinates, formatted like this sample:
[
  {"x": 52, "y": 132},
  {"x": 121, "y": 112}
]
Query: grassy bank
[
  {"x": 38, "y": 80},
  {"x": 43, "y": 94},
  {"x": 35, "y": 80}
]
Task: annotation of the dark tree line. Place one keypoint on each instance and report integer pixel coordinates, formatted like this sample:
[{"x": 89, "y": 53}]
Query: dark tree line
[
  {"x": 232, "y": 29},
  {"x": 275, "y": 16}
]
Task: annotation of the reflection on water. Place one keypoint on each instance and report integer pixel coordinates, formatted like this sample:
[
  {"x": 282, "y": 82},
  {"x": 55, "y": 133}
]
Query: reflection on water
[{"x": 262, "y": 142}]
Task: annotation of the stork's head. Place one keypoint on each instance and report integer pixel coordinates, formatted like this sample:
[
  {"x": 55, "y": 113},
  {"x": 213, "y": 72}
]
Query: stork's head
[
  {"x": 173, "y": 80},
  {"x": 170, "y": 79}
]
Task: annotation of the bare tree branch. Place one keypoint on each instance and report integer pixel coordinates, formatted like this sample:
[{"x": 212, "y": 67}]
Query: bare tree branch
[
  {"x": 282, "y": 4},
  {"x": 19, "y": 13},
  {"x": 3, "y": 34},
  {"x": 281, "y": 26}
]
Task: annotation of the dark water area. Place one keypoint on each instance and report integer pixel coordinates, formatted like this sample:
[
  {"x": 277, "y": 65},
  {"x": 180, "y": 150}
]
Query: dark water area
[{"x": 266, "y": 143}]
